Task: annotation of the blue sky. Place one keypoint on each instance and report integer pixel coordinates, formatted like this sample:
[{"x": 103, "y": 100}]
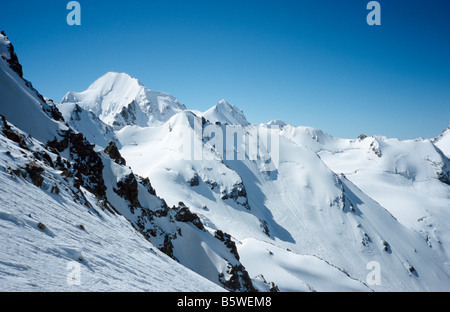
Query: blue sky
[{"x": 311, "y": 63}]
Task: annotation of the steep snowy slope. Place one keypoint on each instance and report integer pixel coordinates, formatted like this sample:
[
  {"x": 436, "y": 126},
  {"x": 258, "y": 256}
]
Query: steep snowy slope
[
  {"x": 409, "y": 178},
  {"x": 88, "y": 123},
  {"x": 301, "y": 205},
  {"x": 443, "y": 142},
  {"x": 132, "y": 177},
  {"x": 119, "y": 100},
  {"x": 21, "y": 104},
  {"x": 66, "y": 173},
  {"x": 48, "y": 227}
]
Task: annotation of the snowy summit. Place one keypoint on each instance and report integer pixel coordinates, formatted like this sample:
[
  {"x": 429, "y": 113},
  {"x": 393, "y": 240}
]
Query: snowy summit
[
  {"x": 226, "y": 113},
  {"x": 120, "y": 100}
]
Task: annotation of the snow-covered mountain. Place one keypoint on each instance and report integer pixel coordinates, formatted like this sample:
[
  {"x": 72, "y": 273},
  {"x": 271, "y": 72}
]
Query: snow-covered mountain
[
  {"x": 321, "y": 185},
  {"x": 226, "y": 113},
  {"x": 443, "y": 142},
  {"x": 119, "y": 100},
  {"x": 208, "y": 197},
  {"x": 48, "y": 223},
  {"x": 65, "y": 199}
]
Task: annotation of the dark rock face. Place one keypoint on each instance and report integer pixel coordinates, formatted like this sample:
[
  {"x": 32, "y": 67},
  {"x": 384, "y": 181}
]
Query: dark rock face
[
  {"x": 226, "y": 239},
  {"x": 126, "y": 117},
  {"x": 112, "y": 151},
  {"x": 148, "y": 186},
  {"x": 167, "y": 247},
  {"x": 239, "y": 280},
  {"x": 88, "y": 165},
  {"x": 238, "y": 194},
  {"x": 264, "y": 227},
  {"x": 48, "y": 106},
  {"x": 362, "y": 137},
  {"x": 13, "y": 60},
  {"x": 35, "y": 172},
  {"x": 11, "y": 134},
  {"x": 183, "y": 214},
  {"x": 443, "y": 173},
  {"x": 127, "y": 188},
  {"x": 194, "y": 181},
  {"x": 376, "y": 149},
  {"x": 274, "y": 288},
  {"x": 444, "y": 177}
]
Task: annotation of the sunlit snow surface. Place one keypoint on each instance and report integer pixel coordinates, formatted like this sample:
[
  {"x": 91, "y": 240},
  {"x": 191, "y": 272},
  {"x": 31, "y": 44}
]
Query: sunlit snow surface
[
  {"x": 112, "y": 255},
  {"x": 312, "y": 221},
  {"x": 333, "y": 203}
]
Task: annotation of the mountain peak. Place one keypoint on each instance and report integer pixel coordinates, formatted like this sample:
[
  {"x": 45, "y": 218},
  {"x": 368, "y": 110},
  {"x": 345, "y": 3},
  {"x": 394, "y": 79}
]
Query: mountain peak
[
  {"x": 116, "y": 79},
  {"x": 223, "y": 102},
  {"x": 8, "y": 54},
  {"x": 225, "y": 112},
  {"x": 442, "y": 141},
  {"x": 120, "y": 100},
  {"x": 277, "y": 122}
]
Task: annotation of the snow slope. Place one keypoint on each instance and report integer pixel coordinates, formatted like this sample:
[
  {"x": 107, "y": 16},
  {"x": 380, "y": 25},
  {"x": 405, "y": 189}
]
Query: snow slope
[
  {"x": 88, "y": 123},
  {"x": 302, "y": 206},
  {"x": 21, "y": 106},
  {"x": 112, "y": 255},
  {"x": 405, "y": 177},
  {"x": 185, "y": 200},
  {"x": 72, "y": 180},
  {"x": 443, "y": 142}
]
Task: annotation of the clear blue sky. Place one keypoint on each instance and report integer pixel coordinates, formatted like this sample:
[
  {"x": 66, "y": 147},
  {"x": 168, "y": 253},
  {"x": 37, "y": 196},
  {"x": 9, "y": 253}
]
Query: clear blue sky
[{"x": 311, "y": 63}]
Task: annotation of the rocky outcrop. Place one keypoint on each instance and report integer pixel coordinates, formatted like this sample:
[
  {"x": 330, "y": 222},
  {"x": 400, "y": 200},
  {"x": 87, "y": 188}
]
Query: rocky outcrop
[
  {"x": 237, "y": 279},
  {"x": 183, "y": 214},
  {"x": 112, "y": 151},
  {"x": 126, "y": 117},
  {"x": 147, "y": 185},
  {"x": 11, "y": 134},
  {"x": 228, "y": 242},
  {"x": 127, "y": 188},
  {"x": 238, "y": 194},
  {"x": 35, "y": 173},
  {"x": 12, "y": 60},
  {"x": 162, "y": 227},
  {"x": 87, "y": 167}
]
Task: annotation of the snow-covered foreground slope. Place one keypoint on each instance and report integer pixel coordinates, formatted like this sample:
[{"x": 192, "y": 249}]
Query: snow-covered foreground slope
[
  {"x": 71, "y": 180},
  {"x": 44, "y": 230}
]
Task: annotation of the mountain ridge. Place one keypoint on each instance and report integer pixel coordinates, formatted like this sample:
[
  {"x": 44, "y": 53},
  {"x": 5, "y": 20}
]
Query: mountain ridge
[{"x": 299, "y": 210}]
